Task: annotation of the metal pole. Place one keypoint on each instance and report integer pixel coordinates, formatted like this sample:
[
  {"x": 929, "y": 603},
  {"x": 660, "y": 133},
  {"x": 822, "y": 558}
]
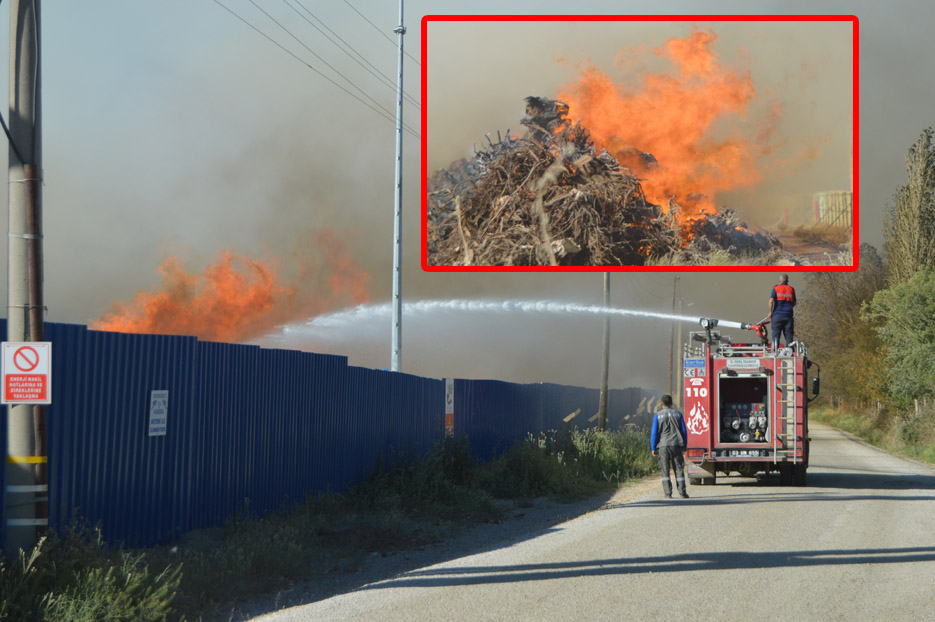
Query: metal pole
[
  {"x": 675, "y": 283},
  {"x": 602, "y": 406},
  {"x": 681, "y": 399},
  {"x": 396, "y": 346},
  {"x": 26, "y": 454}
]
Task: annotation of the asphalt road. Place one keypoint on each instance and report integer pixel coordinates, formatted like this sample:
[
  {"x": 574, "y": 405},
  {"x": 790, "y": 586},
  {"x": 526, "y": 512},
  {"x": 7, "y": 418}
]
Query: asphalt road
[{"x": 858, "y": 543}]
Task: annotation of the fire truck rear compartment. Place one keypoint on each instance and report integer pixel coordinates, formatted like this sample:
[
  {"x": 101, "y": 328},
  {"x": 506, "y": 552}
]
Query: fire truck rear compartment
[{"x": 743, "y": 411}]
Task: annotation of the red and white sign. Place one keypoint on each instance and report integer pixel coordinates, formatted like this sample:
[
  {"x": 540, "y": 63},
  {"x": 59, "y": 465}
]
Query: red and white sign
[
  {"x": 449, "y": 407},
  {"x": 27, "y": 372}
]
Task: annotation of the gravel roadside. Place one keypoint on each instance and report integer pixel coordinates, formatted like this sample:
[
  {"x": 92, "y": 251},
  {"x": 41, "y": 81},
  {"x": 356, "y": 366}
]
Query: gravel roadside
[{"x": 520, "y": 524}]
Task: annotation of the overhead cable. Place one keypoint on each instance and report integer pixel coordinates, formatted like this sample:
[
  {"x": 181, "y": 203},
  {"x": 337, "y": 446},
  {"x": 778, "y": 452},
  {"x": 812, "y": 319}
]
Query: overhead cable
[
  {"x": 376, "y": 109},
  {"x": 349, "y": 49},
  {"x": 326, "y": 63},
  {"x": 380, "y": 30}
]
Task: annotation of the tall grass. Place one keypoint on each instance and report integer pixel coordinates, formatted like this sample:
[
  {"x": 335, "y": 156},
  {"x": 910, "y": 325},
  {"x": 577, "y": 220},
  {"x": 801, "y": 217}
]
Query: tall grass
[
  {"x": 75, "y": 579},
  {"x": 579, "y": 464}
]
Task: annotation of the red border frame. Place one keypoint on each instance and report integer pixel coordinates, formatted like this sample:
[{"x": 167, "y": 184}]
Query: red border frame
[{"x": 617, "y": 18}]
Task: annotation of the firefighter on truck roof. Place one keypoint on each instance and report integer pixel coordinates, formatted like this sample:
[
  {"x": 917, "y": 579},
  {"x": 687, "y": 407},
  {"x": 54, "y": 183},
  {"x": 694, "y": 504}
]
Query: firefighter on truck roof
[
  {"x": 668, "y": 440},
  {"x": 781, "y": 306}
]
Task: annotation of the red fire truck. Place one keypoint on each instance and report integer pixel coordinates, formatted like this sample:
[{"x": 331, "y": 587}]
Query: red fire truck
[{"x": 745, "y": 406}]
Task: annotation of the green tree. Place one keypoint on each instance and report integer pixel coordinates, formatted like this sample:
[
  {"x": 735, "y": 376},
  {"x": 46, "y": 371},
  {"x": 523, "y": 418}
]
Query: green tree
[
  {"x": 909, "y": 224},
  {"x": 905, "y": 318},
  {"x": 844, "y": 343}
]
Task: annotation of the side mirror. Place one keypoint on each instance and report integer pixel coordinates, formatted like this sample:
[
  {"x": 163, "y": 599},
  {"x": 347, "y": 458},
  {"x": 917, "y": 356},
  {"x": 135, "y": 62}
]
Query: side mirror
[{"x": 816, "y": 385}]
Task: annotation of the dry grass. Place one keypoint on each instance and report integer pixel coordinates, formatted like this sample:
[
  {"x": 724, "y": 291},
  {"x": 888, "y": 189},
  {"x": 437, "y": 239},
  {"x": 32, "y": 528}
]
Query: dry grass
[
  {"x": 823, "y": 234},
  {"x": 721, "y": 257}
]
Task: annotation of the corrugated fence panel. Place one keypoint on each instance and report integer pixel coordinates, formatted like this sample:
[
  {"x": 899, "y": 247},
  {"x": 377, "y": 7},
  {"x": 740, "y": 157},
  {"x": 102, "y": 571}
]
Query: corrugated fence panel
[
  {"x": 559, "y": 401},
  {"x": 418, "y": 410},
  {"x": 222, "y": 377},
  {"x": 494, "y": 414},
  {"x": 368, "y": 394},
  {"x": 244, "y": 422},
  {"x": 103, "y": 465},
  {"x": 388, "y": 412},
  {"x": 262, "y": 422},
  {"x": 322, "y": 400}
]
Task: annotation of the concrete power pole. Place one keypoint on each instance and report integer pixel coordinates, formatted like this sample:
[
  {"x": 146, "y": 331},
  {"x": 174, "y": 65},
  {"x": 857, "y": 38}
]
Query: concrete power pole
[
  {"x": 602, "y": 406},
  {"x": 26, "y": 469},
  {"x": 395, "y": 345}
]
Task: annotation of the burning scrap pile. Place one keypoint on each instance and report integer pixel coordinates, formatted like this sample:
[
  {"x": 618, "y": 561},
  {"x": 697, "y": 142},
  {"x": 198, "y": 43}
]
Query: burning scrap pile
[{"x": 554, "y": 198}]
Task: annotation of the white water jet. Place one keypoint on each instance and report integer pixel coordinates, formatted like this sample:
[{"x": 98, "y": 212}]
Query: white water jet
[{"x": 328, "y": 324}]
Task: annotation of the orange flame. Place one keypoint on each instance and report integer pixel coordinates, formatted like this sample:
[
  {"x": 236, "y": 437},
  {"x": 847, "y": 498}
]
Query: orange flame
[
  {"x": 677, "y": 117},
  {"x": 237, "y": 297}
]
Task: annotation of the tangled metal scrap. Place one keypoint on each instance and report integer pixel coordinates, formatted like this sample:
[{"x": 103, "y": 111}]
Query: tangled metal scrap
[{"x": 552, "y": 198}]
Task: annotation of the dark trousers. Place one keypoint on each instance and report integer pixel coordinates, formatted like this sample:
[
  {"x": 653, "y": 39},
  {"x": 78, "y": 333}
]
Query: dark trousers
[
  {"x": 785, "y": 325},
  {"x": 670, "y": 457}
]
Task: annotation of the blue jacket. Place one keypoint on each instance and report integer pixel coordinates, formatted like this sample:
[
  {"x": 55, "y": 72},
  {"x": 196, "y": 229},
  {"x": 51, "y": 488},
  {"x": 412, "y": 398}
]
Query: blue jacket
[{"x": 668, "y": 429}]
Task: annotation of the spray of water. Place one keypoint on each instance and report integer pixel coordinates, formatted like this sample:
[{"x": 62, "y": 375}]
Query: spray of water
[{"x": 363, "y": 314}]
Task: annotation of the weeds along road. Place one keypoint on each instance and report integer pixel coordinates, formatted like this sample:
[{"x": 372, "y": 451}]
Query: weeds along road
[{"x": 858, "y": 543}]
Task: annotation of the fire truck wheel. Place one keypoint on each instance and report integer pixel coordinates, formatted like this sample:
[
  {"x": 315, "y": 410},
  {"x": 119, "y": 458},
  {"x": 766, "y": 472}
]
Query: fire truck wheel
[
  {"x": 798, "y": 475},
  {"x": 785, "y": 475}
]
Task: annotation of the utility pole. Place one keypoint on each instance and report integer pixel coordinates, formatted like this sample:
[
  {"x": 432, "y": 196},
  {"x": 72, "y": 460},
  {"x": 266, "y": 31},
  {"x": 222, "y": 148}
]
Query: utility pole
[
  {"x": 675, "y": 283},
  {"x": 602, "y": 406},
  {"x": 395, "y": 345},
  {"x": 26, "y": 463},
  {"x": 681, "y": 400}
]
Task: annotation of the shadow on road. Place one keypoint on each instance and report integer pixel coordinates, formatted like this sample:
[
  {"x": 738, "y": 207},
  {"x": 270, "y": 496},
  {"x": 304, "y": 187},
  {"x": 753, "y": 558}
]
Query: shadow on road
[
  {"x": 476, "y": 539},
  {"x": 740, "y": 560},
  {"x": 802, "y": 496},
  {"x": 851, "y": 479}
]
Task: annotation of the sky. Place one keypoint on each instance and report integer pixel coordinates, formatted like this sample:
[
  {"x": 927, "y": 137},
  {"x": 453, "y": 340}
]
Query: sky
[{"x": 173, "y": 128}]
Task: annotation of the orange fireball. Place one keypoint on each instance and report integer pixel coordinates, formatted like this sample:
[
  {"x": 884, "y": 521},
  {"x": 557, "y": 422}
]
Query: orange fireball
[{"x": 678, "y": 117}]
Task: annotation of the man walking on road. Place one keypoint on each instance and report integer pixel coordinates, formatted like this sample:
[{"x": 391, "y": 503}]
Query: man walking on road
[
  {"x": 668, "y": 441},
  {"x": 781, "y": 305}
]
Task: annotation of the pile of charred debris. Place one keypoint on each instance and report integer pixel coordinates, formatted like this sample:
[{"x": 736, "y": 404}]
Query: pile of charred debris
[{"x": 553, "y": 198}]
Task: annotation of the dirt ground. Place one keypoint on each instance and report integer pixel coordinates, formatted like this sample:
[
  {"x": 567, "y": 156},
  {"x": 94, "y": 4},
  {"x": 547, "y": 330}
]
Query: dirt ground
[{"x": 816, "y": 254}]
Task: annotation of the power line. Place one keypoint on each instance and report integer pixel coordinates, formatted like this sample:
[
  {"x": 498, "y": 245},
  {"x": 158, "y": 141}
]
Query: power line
[
  {"x": 380, "y": 30},
  {"x": 326, "y": 63},
  {"x": 379, "y": 111},
  {"x": 349, "y": 49}
]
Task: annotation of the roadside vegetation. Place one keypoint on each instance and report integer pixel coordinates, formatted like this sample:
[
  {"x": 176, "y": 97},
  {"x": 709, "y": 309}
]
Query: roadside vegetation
[
  {"x": 407, "y": 503},
  {"x": 873, "y": 330}
]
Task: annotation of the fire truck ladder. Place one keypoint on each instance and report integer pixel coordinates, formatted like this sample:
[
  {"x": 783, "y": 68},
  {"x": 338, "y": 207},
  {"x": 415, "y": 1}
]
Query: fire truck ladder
[{"x": 785, "y": 404}]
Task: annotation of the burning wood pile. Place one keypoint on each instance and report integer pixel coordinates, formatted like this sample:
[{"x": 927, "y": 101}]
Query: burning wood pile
[{"x": 554, "y": 198}]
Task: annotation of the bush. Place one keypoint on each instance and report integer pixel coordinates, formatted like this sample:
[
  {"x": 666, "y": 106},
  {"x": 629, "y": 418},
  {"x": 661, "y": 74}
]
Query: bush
[
  {"x": 76, "y": 580},
  {"x": 614, "y": 457},
  {"x": 582, "y": 464},
  {"x": 905, "y": 317}
]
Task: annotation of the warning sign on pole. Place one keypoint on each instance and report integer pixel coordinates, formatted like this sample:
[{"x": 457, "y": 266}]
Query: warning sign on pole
[
  {"x": 27, "y": 372},
  {"x": 449, "y": 407}
]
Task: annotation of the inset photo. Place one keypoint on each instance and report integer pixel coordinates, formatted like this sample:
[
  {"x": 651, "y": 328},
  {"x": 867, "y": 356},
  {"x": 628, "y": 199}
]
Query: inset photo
[{"x": 655, "y": 143}]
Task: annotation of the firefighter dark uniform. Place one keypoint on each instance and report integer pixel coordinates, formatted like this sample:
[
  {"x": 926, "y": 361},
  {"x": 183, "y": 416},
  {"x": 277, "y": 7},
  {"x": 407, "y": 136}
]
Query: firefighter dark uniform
[
  {"x": 669, "y": 438},
  {"x": 782, "y": 304}
]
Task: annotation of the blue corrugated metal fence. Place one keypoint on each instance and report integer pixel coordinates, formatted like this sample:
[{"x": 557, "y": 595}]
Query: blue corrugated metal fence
[{"x": 248, "y": 423}]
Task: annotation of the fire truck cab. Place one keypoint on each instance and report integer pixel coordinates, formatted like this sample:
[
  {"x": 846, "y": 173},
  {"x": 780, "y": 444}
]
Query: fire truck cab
[{"x": 745, "y": 407}]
